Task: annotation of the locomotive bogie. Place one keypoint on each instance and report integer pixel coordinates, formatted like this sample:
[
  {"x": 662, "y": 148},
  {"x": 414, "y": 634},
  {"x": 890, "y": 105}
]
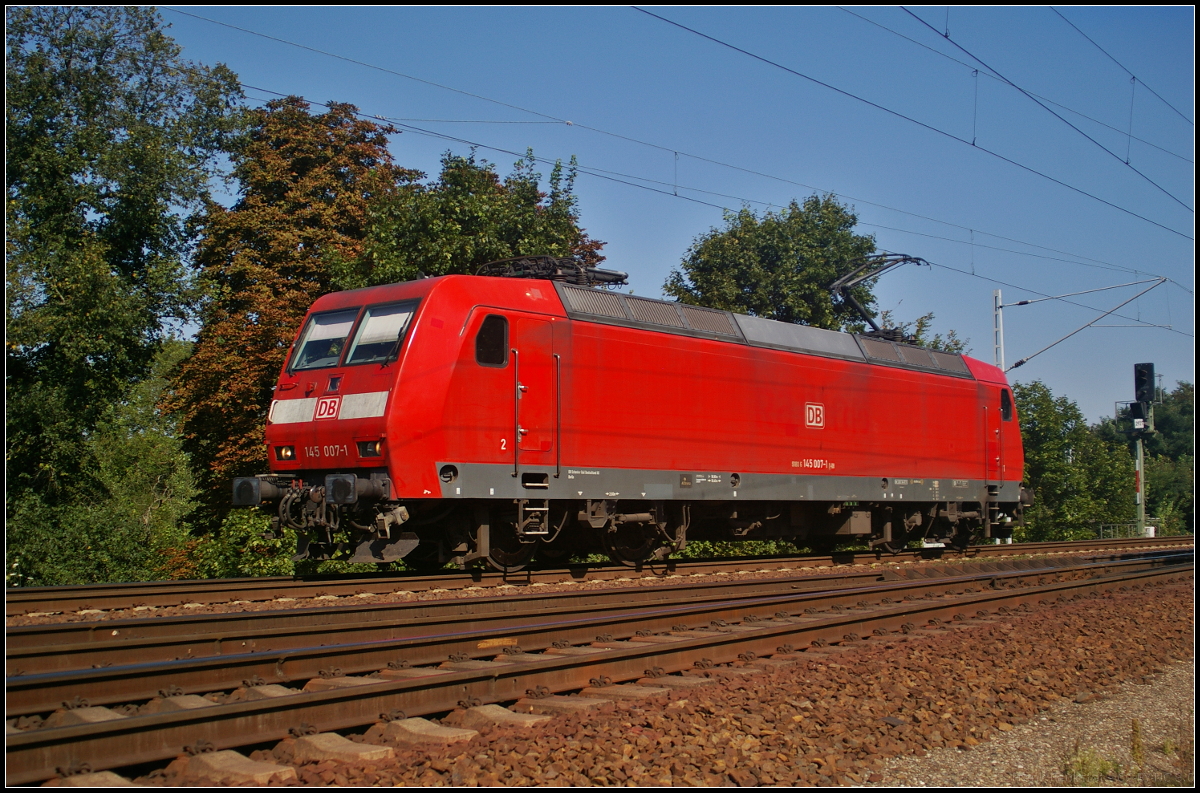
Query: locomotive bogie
[{"x": 472, "y": 417}]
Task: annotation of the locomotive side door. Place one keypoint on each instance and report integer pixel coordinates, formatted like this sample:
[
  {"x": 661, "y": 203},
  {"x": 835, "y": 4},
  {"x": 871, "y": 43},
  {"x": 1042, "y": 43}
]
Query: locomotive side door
[
  {"x": 991, "y": 437},
  {"x": 535, "y": 389}
]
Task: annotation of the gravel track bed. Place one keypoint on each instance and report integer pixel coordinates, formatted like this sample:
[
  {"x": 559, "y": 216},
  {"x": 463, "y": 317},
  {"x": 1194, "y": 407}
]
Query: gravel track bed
[
  {"x": 960, "y": 696},
  {"x": 1093, "y": 739},
  {"x": 633, "y": 579}
]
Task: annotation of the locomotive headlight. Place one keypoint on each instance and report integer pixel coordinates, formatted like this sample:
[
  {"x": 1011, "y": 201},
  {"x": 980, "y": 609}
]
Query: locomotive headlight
[
  {"x": 285, "y": 452},
  {"x": 370, "y": 448}
]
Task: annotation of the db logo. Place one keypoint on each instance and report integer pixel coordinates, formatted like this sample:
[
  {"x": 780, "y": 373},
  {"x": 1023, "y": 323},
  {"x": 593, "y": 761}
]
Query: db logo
[
  {"x": 328, "y": 407},
  {"x": 814, "y": 415}
]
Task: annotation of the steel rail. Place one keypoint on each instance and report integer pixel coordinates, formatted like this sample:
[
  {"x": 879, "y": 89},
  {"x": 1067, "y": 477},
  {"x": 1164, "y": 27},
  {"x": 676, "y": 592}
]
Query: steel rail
[
  {"x": 35, "y": 649},
  {"x": 75, "y": 645},
  {"x": 436, "y": 640},
  {"x": 34, "y": 755},
  {"x": 23, "y": 600}
]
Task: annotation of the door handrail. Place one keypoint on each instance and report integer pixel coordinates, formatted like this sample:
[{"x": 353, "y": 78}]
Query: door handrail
[
  {"x": 516, "y": 413},
  {"x": 557, "y": 415}
]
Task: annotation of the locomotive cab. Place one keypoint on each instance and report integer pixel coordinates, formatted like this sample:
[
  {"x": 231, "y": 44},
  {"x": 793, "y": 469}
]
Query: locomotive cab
[{"x": 326, "y": 434}]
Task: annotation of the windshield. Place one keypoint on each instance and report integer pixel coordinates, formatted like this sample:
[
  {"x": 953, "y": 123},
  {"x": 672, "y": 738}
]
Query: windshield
[
  {"x": 380, "y": 332},
  {"x": 323, "y": 339}
]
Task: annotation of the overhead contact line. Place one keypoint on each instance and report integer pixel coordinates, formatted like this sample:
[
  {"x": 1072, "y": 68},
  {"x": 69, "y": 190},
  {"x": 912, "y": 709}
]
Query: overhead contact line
[
  {"x": 1042, "y": 105},
  {"x": 921, "y": 124},
  {"x": 675, "y": 151}
]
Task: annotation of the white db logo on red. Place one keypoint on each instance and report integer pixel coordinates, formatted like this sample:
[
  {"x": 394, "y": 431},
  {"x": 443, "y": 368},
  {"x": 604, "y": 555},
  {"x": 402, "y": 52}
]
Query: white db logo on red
[
  {"x": 814, "y": 415},
  {"x": 327, "y": 407}
]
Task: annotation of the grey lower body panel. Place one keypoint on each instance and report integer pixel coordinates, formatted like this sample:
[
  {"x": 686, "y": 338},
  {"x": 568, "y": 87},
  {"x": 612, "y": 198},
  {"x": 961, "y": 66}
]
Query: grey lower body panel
[{"x": 488, "y": 481}]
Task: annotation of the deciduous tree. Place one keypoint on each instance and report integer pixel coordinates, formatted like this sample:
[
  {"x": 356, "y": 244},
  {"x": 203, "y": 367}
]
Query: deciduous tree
[
  {"x": 1170, "y": 457},
  {"x": 1078, "y": 479},
  {"x": 112, "y": 522},
  {"x": 778, "y": 266},
  {"x": 920, "y": 331},
  {"x": 111, "y": 140},
  {"x": 469, "y": 216},
  {"x": 306, "y": 183}
]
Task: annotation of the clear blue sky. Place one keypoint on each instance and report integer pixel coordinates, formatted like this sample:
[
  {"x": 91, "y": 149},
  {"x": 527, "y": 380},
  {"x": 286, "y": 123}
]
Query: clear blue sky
[{"x": 620, "y": 72}]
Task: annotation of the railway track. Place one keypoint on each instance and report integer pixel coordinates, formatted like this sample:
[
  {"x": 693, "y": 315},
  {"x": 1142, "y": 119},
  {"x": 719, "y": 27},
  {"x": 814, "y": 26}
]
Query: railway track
[
  {"x": 430, "y": 657},
  {"x": 159, "y": 594}
]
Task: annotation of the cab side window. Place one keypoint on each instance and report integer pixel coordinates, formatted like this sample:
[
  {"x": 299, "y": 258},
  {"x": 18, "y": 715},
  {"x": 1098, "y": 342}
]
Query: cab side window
[
  {"x": 1006, "y": 405},
  {"x": 491, "y": 343}
]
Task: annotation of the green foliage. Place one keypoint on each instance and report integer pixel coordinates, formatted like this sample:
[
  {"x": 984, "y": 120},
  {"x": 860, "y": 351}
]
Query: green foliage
[
  {"x": 1078, "y": 477},
  {"x": 1085, "y": 767},
  {"x": 1174, "y": 424},
  {"x": 342, "y": 567},
  {"x": 306, "y": 181},
  {"x": 779, "y": 266},
  {"x": 711, "y": 549},
  {"x": 1170, "y": 458},
  {"x": 1171, "y": 494},
  {"x": 243, "y": 547},
  {"x": 111, "y": 139},
  {"x": 113, "y": 523},
  {"x": 920, "y": 331},
  {"x": 468, "y": 217}
]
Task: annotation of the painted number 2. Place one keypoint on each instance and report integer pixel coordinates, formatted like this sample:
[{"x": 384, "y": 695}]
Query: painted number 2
[{"x": 503, "y": 444}]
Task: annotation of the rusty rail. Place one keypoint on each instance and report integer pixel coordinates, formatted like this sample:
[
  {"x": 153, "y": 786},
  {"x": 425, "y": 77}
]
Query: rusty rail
[
  {"x": 25, "y": 600},
  {"x": 765, "y": 629}
]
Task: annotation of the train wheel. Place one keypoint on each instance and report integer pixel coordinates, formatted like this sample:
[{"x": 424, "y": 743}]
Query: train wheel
[
  {"x": 629, "y": 544},
  {"x": 507, "y": 553}
]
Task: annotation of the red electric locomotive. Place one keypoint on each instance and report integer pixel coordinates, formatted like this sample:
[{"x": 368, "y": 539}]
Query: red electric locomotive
[{"x": 476, "y": 417}]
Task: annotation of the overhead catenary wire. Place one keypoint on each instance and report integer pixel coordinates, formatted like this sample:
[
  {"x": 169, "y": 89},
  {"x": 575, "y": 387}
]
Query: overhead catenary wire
[
  {"x": 1028, "y": 358},
  {"x": 912, "y": 120},
  {"x": 990, "y": 76},
  {"x": 1081, "y": 292},
  {"x": 621, "y": 178},
  {"x": 1118, "y": 63},
  {"x": 675, "y": 186},
  {"x": 675, "y": 151},
  {"x": 1042, "y": 105},
  {"x": 998, "y": 282},
  {"x": 974, "y": 244}
]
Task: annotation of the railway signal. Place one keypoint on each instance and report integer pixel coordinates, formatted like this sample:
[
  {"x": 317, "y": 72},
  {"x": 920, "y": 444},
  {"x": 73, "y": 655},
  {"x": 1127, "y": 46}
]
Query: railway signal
[
  {"x": 1142, "y": 413},
  {"x": 1143, "y": 382}
]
